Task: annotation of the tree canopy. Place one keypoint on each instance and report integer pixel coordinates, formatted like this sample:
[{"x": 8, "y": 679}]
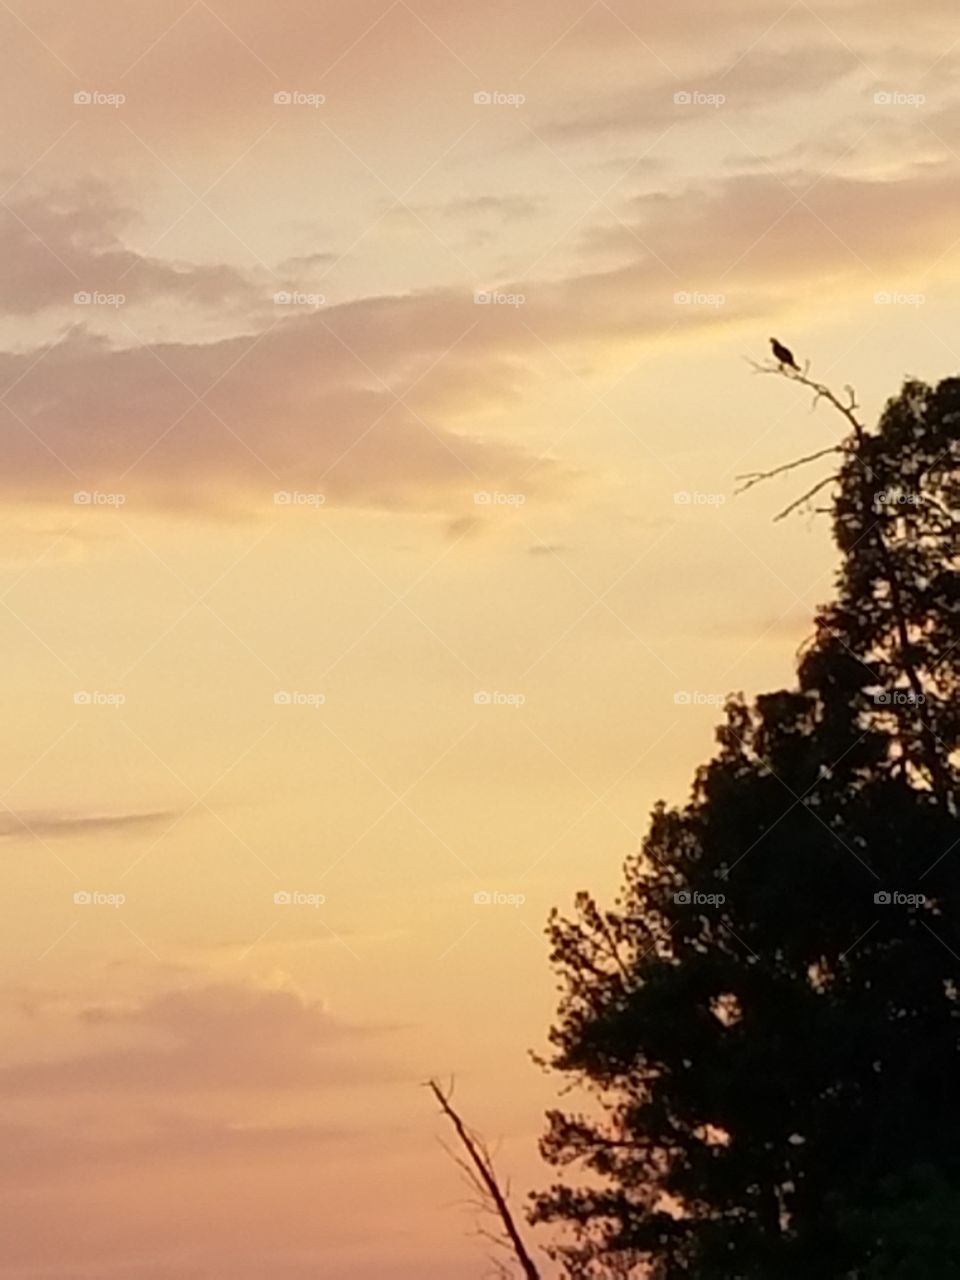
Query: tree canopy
[{"x": 766, "y": 1023}]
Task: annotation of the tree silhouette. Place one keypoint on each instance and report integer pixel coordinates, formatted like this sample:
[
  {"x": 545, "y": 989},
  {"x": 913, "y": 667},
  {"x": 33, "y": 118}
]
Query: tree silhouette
[{"x": 766, "y": 1024}]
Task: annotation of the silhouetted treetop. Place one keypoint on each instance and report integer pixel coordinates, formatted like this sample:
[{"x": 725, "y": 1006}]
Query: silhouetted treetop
[{"x": 766, "y": 1023}]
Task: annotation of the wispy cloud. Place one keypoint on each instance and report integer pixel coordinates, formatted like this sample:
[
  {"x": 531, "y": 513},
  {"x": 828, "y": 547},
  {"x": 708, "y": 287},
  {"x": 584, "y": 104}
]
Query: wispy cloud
[{"x": 52, "y": 823}]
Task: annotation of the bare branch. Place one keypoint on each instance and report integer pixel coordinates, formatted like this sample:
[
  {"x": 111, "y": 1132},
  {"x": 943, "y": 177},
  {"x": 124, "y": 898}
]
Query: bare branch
[
  {"x": 479, "y": 1166},
  {"x": 823, "y": 392},
  {"x": 805, "y": 497},
  {"x": 750, "y": 478}
]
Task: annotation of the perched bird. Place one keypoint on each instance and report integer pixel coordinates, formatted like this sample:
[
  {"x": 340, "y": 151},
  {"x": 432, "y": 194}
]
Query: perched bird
[{"x": 783, "y": 354}]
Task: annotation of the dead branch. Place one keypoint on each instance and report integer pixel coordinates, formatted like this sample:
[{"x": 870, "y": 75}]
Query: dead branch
[
  {"x": 750, "y": 478},
  {"x": 820, "y": 389},
  {"x": 479, "y": 1170},
  {"x": 804, "y": 498},
  {"x": 848, "y": 408}
]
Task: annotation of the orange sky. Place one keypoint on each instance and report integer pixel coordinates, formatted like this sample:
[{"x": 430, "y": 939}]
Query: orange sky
[{"x": 373, "y": 397}]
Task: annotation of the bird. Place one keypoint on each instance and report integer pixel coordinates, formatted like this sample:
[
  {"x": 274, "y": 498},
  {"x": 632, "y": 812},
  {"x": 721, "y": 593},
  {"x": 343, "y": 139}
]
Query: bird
[{"x": 783, "y": 354}]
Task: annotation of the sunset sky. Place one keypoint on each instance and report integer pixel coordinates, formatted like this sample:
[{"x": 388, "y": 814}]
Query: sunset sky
[{"x": 375, "y": 383}]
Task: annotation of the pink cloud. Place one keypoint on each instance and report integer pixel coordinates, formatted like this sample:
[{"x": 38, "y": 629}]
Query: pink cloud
[{"x": 228, "y": 1037}]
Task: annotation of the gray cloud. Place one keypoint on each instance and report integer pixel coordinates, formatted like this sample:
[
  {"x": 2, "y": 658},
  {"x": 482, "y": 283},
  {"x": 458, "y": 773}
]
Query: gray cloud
[
  {"x": 228, "y": 1037},
  {"x": 56, "y": 244}
]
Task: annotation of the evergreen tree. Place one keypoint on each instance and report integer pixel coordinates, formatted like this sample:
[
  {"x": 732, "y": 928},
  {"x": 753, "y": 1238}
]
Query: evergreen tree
[{"x": 767, "y": 1021}]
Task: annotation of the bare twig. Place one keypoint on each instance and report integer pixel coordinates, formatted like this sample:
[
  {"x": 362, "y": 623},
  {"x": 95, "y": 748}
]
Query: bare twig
[
  {"x": 478, "y": 1167},
  {"x": 750, "y": 478},
  {"x": 804, "y": 497},
  {"x": 820, "y": 389}
]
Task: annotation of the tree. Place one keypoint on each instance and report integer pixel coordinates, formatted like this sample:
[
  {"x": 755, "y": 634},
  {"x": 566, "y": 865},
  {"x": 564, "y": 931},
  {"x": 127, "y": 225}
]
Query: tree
[
  {"x": 912, "y": 1231},
  {"x": 766, "y": 1023}
]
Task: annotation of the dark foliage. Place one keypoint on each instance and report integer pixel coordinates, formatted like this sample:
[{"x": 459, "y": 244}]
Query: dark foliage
[{"x": 771, "y": 1055}]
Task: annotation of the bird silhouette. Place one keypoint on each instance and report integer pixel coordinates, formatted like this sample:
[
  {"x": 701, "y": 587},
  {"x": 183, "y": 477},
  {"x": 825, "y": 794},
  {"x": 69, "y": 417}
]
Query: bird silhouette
[{"x": 784, "y": 354}]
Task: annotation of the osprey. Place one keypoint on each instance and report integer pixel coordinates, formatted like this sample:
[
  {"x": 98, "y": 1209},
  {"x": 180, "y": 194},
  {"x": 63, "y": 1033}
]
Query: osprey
[{"x": 783, "y": 354}]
